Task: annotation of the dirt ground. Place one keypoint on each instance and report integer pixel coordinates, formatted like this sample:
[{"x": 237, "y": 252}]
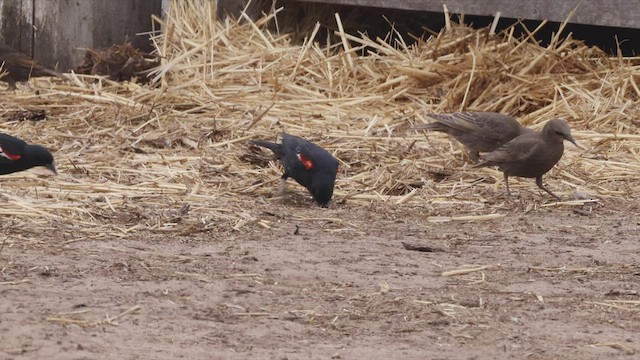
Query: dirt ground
[{"x": 337, "y": 283}]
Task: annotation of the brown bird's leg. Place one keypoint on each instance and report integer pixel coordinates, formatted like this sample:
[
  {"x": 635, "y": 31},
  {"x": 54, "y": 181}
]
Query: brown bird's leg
[
  {"x": 539, "y": 183},
  {"x": 506, "y": 183}
]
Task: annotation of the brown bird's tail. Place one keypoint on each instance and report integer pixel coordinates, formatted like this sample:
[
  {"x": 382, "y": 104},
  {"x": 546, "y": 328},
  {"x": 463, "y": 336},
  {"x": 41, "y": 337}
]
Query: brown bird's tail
[
  {"x": 39, "y": 70},
  {"x": 20, "y": 67}
]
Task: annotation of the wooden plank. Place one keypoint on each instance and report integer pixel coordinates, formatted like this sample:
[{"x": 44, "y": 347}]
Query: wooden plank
[
  {"x": 26, "y": 27},
  {"x": 15, "y": 21},
  {"x": 618, "y": 13},
  {"x": 235, "y": 8},
  {"x": 60, "y": 27},
  {"x": 55, "y": 32},
  {"x": 64, "y": 28}
]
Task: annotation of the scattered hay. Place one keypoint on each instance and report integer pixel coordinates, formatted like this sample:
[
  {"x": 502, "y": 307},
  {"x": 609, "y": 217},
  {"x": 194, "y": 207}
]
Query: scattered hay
[
  {"x": 63, "y": 319},
  {"x": 131, "y": 156},
  {"x": 24, "y": 115}
]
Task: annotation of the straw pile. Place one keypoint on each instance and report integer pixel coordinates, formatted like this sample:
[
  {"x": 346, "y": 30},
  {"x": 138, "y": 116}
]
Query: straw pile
[
  {"x": 172, "y": 156},
  {"x": 119, "y": 62}
]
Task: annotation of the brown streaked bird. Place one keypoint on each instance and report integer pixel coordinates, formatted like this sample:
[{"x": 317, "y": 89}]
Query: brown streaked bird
[
  {"x": 477, "y": 131},
  {"x": 531, "y": 155},
  {"x": 20, "y": 67}
]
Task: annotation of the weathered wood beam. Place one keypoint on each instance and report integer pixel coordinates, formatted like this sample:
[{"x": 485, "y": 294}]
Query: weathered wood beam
[{"x": 617, "y": 13}]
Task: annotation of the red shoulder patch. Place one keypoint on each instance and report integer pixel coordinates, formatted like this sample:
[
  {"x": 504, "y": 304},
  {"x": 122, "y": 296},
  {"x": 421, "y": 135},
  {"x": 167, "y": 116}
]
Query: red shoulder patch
[
  {"x": 9, "y": 155},
  {"x": 308, "y": 165}
]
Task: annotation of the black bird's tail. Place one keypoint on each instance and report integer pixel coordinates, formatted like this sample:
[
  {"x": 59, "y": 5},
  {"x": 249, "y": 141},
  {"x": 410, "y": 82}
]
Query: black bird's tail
[{"x": 276, "y": 148}]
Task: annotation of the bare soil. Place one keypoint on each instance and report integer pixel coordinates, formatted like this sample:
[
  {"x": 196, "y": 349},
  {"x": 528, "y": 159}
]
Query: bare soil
[{"x": 337, "y": 283}]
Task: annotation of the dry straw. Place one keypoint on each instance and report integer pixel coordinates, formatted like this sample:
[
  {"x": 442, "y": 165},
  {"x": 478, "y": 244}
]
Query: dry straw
[{"x": 172, "y": 156}]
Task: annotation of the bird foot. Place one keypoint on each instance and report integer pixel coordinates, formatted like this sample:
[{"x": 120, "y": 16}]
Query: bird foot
[
  {"x": 282, "y": 197},
  {"x": 554, "y": 200},
  {"x": 282, "y": 194}
]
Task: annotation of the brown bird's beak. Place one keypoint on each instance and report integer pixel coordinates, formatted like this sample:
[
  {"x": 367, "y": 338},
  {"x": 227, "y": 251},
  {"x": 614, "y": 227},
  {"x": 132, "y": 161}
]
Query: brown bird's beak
[
  {"x": 52, "y": 167},
  {"x": 573, "y": 141}
]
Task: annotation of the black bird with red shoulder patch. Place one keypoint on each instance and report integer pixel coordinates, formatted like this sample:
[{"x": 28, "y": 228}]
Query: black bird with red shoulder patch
[
  {"x": 308, "y": 164},
  {"x": 16, "y": 155}
]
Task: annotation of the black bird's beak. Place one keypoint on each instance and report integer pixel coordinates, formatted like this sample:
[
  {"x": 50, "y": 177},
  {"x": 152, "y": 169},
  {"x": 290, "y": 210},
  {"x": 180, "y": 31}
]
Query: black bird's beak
[{"x": 52, "y": 167}]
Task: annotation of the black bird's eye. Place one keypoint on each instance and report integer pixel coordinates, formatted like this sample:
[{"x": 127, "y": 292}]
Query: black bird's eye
[{"x": 559, "y": 133}]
